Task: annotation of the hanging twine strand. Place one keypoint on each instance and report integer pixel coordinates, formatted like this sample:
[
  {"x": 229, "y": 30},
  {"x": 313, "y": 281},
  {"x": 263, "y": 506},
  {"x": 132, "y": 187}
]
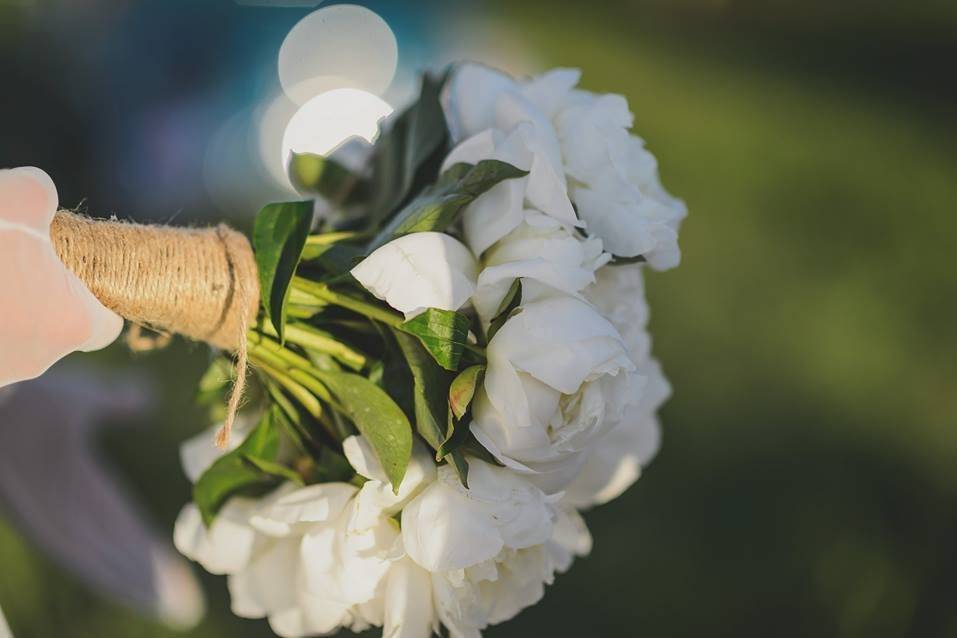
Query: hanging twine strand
[
  {"x": 198, "y": 282},
  {"x": 242, "y": 281}
]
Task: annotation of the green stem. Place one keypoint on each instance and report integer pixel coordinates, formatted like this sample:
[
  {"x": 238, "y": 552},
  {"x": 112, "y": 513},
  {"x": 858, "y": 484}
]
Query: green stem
[
  {"x": 302, "y": 386},
  {"x": 299, "y": 297},
  {"x": 308, "y": 401},
  {"x": 324, "y": 239},
  {"x": 314, "y": 339},
  {"x": 360, "y": 306},
  {"x": 288, "y": 363}
]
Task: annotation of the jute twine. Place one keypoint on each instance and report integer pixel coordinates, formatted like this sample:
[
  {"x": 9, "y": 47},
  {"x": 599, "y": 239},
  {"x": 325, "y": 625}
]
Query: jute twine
[{"x": 199, "y": 282}]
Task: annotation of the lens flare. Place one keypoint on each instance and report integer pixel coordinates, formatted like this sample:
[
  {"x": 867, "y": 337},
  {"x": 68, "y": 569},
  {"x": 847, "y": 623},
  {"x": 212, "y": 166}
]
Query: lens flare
[
  {"x": 326, "y": 121},
  {"x": 342, "y": 46}
]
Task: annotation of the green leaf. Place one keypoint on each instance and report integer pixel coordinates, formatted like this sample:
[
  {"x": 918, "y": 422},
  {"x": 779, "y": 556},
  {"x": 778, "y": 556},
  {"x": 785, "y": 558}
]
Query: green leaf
[
  {"x": 291, "y": 419},
  {"x": 444, "y": 333},
  {"x": 456, "y": 435},
  {"x": 376, "y": 416},
  {"x": 461, "y": 393},
  {"x": 279, "y": 235},
  {"x": 440, "y": 205},
  {"x": 473, "y": 448},
  {"x": 231, "y": 474},
  {"x": 323, "y": 176},
  {"x": 430, "y": 390},
  {"x": 461, "y": 465},
  {"x": 463, "y": 389},
  {"x": 410, "y": 152},
  {"x": 512, "y": 300}
]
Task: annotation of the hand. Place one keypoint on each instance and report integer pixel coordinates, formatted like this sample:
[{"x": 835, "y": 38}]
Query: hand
[{"x": 46, "y": 312}]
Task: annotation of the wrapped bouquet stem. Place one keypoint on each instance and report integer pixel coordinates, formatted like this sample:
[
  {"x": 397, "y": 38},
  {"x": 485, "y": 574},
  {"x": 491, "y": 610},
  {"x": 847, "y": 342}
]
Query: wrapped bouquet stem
[
  {"x": 450, "y": 359},
  {"x": 200, "y": 283}
]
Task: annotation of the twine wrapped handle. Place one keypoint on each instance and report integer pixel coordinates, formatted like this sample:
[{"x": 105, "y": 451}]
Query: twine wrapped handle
[{"x": 198, "y": 282}]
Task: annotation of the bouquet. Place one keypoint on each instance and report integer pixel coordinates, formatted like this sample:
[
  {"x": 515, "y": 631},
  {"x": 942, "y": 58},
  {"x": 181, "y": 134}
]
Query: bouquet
[
  {"x": 451, "y": 369},
  {"x": 447, "y": 370}
]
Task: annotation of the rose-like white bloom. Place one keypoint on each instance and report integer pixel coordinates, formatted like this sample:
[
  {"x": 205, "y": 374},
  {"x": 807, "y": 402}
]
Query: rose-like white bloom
[
  {"x": 347, "y": 566},
  {"x": 321, "y": 557},
  {"x": 419, "y": 271},
  {"x": 539, "y": 250},
  {"x": 491, "y": 548},
  {"x": 226, "y": 545},
  {"x": 615, "y": 461},
  {"x": 292, "y": 557},
  {"x": 616, "y": 185},
  {"x": 46, "y": 312},
  {"x": 501, "y": 209},
  {"x": 558, "y": 377},
  {"x": 329, "y": 556},
  {"x": 613, "y": 179}
]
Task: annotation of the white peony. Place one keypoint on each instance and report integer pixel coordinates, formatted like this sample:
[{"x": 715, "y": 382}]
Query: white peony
[
  {"x": 558, "y": 377},
  {"x": 318, "y": 558},
  {"x": 419, "y": 271},
  {"x": 616, "y": 459},
  {"x": 273, "y": 583},
  {"x": 321, "y": 557},
  {"x": 489, "y": 549},
  {"x": 540, "y": 251},
  {"x": 613, "y": 180},
  {"x": 502, "y": 208}
]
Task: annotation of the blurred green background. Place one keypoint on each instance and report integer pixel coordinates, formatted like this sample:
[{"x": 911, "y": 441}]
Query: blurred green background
[{"x": 807, "y": 483}]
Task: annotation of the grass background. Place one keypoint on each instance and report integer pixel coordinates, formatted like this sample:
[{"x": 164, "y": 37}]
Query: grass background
[{"x": 807, "y": 483}]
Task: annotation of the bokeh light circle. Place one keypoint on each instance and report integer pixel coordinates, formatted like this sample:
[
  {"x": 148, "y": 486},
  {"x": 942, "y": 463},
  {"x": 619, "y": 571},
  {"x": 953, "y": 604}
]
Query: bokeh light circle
[
  {"x": 327, "y": 120},
  {"x": 342, "y": 46}
]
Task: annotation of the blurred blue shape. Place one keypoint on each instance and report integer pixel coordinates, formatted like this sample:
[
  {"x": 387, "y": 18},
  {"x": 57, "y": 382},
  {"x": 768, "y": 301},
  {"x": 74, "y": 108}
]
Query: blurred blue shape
[{"x": 60, "y": 493}]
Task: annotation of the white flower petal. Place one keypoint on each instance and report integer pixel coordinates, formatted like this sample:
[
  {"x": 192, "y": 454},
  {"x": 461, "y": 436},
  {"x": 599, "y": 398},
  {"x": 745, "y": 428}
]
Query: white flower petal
[
  {"x": 376, "y": 499},
  {"x": 199, "y": 452},
  {"x": 494, "y": 214},
  {"x": 561, "y": 341},
  {"x": 268, "y": 584},
  {"x": 549, "y": 90},
  {"x": 443, "y": 529},
  {"x": 419, "y": 271},
  {"x": 540, "y": 249},
  {"x": 408, "y": 602},
  {"x": 616, "y": 460},
  {"x": 570, "y": 539},
  {"x": 362, "y": 457},
  {"x": 289, "y": 623},
  {"x": 291, "y": 507},
  {"x": 471, "y": 97},
  {"x": 448, "y": 527},
  {"x": 323, "y": 615},
  {"x": 226, "y": 546}
]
